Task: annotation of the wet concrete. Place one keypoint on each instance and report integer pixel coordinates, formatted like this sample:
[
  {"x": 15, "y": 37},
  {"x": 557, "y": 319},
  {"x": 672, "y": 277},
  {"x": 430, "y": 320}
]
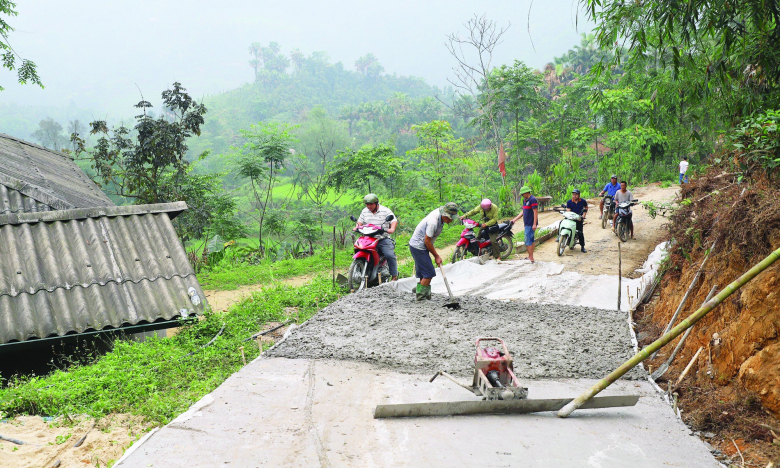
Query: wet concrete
[
  {"x": 288, "y": 413},
  {"x": 390, "y": 329}
]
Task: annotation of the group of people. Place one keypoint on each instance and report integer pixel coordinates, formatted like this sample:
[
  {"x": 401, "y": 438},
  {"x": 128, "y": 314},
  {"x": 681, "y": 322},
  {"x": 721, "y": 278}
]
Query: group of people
[{"x": 422, "y": 243}]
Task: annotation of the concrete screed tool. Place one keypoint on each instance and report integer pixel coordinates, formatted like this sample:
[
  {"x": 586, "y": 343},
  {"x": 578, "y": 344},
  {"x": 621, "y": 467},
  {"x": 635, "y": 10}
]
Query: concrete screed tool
[{"x": 495, "y": 381}]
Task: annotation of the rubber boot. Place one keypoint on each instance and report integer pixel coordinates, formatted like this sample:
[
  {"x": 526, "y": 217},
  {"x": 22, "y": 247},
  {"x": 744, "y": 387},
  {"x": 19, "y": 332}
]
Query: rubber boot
[
  {"x": 427, "y": 292},
  {"x": 419, "y": 292}
]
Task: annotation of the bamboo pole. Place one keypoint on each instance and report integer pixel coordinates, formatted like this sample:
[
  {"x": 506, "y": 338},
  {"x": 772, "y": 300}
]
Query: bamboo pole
[
  {"x": 673, "y": 333},
  {"x": 690, "y": 288},
  {"x": 662, "y": 370},
  {"x": 688, "y": 292}
]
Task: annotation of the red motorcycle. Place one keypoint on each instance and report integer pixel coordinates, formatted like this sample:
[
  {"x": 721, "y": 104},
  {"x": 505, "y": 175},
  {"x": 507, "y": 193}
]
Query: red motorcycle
[
  {"x": 477, "y": 245},
  {"x": 368, "y": 267}
]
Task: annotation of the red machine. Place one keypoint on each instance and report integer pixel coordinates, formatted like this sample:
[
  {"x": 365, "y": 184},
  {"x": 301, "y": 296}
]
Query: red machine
[{"x": 494, "y": 378}]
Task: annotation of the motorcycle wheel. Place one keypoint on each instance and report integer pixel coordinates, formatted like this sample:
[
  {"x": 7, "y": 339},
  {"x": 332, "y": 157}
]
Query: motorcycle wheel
[
  {"x": 355, "y": 279},
  {"x": 562, "y": 242},
  {"x": 623, "y": 232},
  {"x": 458, "y": 254},
  {"x": 506, "y": 247},
  {"x": 605, "y": 220}
]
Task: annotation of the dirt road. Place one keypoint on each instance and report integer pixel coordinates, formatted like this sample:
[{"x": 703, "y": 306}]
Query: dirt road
[{"x": 601, "y": 244}]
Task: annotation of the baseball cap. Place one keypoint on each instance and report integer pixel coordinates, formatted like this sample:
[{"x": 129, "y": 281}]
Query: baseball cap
[
  {"x": 614, "y": 176},
  {"x": 450, "y": 210},
  {"x": 575, "y": 190}
]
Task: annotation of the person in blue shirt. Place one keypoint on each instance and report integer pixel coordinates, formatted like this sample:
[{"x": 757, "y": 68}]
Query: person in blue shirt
[
  {"x": 610, "y": 189},
  {"x": 579, "y": 206}
]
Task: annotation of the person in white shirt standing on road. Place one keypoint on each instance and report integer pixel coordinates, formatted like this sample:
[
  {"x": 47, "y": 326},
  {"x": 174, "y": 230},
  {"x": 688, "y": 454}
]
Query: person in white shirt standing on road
[
  {"x": 376, "y": 214},
  {"x": 683, "y": 170}
]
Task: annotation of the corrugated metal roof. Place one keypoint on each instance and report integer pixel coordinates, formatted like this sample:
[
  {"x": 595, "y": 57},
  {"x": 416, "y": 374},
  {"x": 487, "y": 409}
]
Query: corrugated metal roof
[
  {"x": 14, "y": 201},
  {"x": 47, "y": 176},
  {"x": 72, "y": 271}
]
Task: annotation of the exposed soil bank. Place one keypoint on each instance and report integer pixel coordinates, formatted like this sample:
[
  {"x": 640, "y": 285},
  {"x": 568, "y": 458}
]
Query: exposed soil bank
[{"x": 390, "y": 329}]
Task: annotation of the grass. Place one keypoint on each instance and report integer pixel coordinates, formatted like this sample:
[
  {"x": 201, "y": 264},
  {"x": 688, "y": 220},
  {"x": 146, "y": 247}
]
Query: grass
[
  {"x": 156, "y": 378},
  {"x": 287, "y": 190}
]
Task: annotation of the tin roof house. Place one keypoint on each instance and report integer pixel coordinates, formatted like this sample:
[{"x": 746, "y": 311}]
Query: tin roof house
[{"x": 73, "y": 263}]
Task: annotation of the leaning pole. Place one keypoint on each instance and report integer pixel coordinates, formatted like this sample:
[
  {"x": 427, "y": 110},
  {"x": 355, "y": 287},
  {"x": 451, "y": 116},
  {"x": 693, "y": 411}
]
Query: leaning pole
[{"x": 668, "y": 337}]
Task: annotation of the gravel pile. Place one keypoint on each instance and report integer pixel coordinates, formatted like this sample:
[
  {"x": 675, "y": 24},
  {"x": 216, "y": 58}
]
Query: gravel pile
[{"x": 390, "y": 329}]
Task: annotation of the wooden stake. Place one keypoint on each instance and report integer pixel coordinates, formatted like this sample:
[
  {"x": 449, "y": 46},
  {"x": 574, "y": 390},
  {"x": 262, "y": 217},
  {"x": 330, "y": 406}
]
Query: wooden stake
[
  {"x": 620, "y": 272},
  {"x": 243, "y": 357},
  {"x": 673, "y": 333},
  {"x": 688, "y": 292},
  {"x": 689, "y": 366},
  {"x": 334, "y": 256}
]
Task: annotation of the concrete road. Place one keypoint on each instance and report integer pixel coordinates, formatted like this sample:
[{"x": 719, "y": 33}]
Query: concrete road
[{"x": 280, "y": 412}]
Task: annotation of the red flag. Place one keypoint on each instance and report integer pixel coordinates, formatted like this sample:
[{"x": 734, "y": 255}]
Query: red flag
[{"x": 501, "y": 160}]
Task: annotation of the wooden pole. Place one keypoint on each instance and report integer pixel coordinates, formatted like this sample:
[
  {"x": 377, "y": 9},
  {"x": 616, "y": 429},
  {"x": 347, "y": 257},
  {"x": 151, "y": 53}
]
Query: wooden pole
[
  {"x": 673, "y": 333},
  {"x": 662, "y": 370},
  {"x": 620, "y": 272},
  {"x": 688, "y": 367},
  {"x": 688, "y": 292},
  {"x": 334, "y": 256}
]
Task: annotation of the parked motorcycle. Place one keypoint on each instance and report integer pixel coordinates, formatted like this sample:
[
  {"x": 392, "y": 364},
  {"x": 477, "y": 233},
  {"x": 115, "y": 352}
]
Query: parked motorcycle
[
  {"x": 624, "y": 223},
  {"x": 368, "y": 268},
  {"x": 476, "y": 245},
  {"x": 567, "y": 230},
  {"x": 609, "y": 211}
]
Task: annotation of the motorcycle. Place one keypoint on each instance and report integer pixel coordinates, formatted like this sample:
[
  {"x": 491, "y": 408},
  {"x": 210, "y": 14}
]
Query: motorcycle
[
  {"x": 567, "y": 230},
  {"x": 368, "y": 268},
  {"x": 609, "y": 211},
  {"x": 480, "y": 244},
  {"x": 624, "y": 223}
]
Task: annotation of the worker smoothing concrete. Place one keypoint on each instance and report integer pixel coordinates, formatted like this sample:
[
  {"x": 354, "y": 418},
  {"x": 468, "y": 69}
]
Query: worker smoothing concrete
[{"x": 421, "y": 246}]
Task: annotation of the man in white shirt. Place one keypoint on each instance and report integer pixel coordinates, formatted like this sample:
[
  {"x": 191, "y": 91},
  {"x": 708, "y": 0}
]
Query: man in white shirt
[
  {"x": 683, "y": 170},
  {"x": 421, "y": 246},
  {"x": 376, "y": 214}
]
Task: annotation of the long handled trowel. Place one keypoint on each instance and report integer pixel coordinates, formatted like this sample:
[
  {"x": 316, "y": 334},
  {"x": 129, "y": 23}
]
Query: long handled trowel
[
  {"x": 495, "y": 381},
  {"x": 453, "y": 304}
]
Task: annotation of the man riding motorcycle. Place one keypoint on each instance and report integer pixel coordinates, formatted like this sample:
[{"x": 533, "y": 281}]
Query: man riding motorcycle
[
  {"x": 579, "y": 206},
  {"x": 610, "y": 189},
  {"x": 621, "y": 196},
  {"x": 489, "y": 212},
  {"x": 376, "y": 214}
]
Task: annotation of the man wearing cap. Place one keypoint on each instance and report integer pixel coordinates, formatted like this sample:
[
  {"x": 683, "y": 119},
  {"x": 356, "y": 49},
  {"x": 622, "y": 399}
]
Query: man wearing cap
[
  {"x": 610, "y": 189},
  {"x": 376, "y": 214},
  {"x": 579, "y": 206},
  {"x": 489, "y": 217},
  {"x": 530, "y": 217},
  {"x": 421, "y": 246}
]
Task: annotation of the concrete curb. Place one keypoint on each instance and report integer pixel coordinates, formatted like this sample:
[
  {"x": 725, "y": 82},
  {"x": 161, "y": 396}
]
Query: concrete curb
[{"x": 520, "y": 246}]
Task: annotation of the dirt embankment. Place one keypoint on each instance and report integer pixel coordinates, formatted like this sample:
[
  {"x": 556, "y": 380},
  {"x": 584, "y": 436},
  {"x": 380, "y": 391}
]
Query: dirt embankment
[{"x": 735, "y": 382}]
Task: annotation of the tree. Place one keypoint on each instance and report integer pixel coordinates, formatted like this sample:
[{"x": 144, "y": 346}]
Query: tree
[
  {"x": 474, "y": 56},
  {"x": 438, "y": 152},
  {"x": 355, "y": 169},
  {"x": 211, "y": 211},
  {"x": 27, "y": 71},
  {"x": 148, "y": 163},
  {"x": 49, "y": 134},
  {"x": 369, "y": 66},
  {"x": 260, "y": 160},
  {"x": 320, "y": 139}
]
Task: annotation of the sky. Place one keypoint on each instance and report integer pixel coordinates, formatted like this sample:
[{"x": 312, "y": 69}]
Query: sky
[{"x": 97, "y": 54}]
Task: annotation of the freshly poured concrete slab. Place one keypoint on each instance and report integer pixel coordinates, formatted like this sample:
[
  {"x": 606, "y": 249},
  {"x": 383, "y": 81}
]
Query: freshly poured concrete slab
[{"x": 285, "y": 412}]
